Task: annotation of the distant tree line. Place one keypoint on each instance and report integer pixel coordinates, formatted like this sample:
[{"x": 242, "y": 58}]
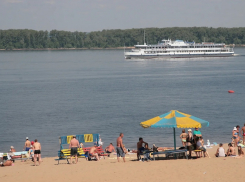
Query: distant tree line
[{"x": 32, "y": 39}]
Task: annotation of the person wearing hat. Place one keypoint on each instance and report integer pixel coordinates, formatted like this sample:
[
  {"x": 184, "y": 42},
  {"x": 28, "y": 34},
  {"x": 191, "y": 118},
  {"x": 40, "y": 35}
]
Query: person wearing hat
[
  {"x": 12, "y": 149},
  {"x": 235, "y": 136},
  {"x": 74, "y": 144},
  {"x": 27, "y": 145},
  {"x": 197, "y": 132}
]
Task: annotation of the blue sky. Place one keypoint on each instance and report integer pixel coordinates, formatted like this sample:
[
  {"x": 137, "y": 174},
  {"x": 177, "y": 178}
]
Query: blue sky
[{"x": 94, "y": 15}]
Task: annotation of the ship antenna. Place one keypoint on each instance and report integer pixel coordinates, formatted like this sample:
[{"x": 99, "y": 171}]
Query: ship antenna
[{"x": 144, "y": 37}]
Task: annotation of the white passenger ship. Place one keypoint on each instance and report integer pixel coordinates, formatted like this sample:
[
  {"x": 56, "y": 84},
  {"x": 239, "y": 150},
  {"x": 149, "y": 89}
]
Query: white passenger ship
[{"x": 180, "y": 49}]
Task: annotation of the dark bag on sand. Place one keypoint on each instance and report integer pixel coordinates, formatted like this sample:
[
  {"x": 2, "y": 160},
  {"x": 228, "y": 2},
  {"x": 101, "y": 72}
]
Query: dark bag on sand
[{"x": 88, "y": 156}]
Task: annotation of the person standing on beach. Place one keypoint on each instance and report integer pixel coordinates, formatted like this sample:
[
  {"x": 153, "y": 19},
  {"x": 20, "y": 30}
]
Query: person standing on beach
[
  {"x": 37, "y": 152},
  {"x": 243, "y": 133},
  {"x": 74, "y": 143},
  {"x": 119, "y": 149},
  {"x": 27, "y": 145},
  {"x": 183, "y": 136},
  {"x": 235, "y": 136},
  {"x": 197, "y": 132},
  {"x": 189, "y": 141}
]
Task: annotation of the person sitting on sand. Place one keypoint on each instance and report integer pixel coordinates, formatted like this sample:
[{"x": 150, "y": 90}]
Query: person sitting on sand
[
  {"x": 110, "y": 149},
  {"x": 240, "y": 152},
  {"x": 231, "y": 150},
  {"x": 220, "y": 151},
  {"x": 183, "y": 136},
  {"x": 93, "y": 152},
  {"x": 140, "y": 147},
  {"x": 7, "y": 163}
]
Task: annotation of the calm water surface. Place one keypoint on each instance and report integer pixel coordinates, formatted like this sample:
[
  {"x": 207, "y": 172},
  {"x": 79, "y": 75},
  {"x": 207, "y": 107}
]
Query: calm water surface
[{"x": 47, "y": 94}]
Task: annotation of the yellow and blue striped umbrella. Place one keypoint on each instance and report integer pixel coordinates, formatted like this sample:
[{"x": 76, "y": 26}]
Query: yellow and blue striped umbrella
[{"x": 174, "y": 119}]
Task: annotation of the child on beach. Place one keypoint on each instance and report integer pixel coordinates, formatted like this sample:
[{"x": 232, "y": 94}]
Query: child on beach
[
  {"x": 240, "y": 152},
  {"x": 220, "y": 151}
]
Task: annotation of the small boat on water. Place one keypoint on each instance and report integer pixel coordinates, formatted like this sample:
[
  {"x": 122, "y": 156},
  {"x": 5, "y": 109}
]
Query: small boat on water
[{"x": 179, "y": 49}]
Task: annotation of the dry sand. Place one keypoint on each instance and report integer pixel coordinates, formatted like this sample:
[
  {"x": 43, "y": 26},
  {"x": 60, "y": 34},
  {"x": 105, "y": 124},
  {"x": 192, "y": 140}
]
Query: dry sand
[{"x": 198, "y": 170}]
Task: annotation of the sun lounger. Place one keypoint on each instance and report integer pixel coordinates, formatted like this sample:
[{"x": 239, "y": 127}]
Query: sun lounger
[
  {"x": 170, "y": 152},
  {"x": 65, "y": 154}
]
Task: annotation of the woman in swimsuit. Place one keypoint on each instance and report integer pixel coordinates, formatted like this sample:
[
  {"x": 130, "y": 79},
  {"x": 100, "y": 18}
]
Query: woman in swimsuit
[
  {"x": 183, "y": 137},
  {"x": 235, "y": 136}
]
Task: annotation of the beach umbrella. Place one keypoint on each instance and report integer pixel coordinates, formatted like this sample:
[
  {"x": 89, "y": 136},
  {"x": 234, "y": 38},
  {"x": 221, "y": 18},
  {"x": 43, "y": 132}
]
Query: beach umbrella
[{"x": 174, "y": 119}]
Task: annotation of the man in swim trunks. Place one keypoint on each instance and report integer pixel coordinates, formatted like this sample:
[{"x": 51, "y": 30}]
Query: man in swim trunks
[
  {"x": 110, "y": 149},
  {"x": 27, "y": 145},
  {"x": 119, "y": 148},
  {"x": 231, "y": 150},
  {"x": 74, "y": 143},
  {"x": 94, "y": 152},
  {"x": 243, "y": 133},
  {"x": 37, "y": 152},
  {"x": 140, "y": 147}
]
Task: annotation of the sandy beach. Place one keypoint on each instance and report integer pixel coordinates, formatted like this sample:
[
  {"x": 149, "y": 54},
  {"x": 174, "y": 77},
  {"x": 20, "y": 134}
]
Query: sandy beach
[{"x": 202, "y": 169}]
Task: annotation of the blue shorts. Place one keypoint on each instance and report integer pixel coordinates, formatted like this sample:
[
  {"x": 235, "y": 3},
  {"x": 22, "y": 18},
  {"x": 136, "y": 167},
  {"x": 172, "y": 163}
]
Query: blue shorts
[{"x": 27, "y": 148}]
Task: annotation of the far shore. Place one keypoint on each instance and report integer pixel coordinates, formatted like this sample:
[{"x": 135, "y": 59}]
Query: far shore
[
  {"x": 55, "y": 49},
  {"x": 92, "y": 48}
]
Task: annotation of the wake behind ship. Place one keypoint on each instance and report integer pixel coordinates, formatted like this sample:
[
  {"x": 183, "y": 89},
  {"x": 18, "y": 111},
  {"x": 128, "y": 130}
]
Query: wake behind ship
[{"x": 180, "y": 49}]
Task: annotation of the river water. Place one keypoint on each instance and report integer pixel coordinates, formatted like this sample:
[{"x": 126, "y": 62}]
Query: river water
[{"x": 47, "y": 94}]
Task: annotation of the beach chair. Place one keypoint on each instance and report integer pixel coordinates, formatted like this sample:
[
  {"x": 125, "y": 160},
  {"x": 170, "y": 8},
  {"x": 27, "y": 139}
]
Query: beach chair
[
  {"x": 65, "y": 154},
  {"x": 198, "y": 152},
  {"x": 146, "y": 154},
  {"x": 169, "y": 153}
]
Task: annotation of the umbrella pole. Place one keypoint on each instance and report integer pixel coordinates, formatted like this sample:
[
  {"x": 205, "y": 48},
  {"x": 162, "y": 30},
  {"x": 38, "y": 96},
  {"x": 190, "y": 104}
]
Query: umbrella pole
[{"x": 174, "y": 140}]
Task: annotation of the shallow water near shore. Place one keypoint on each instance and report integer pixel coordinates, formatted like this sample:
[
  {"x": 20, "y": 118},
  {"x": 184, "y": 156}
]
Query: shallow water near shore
[{"x": 47, "y": 94}]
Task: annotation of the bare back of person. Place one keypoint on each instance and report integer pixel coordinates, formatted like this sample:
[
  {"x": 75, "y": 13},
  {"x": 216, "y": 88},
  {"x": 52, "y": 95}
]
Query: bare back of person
[
  {"x": 74, "y": 143},
  {"x": 37, "y": 152},
  {"x": 28, "y": 143},
  {"x": 37, "y": 146},
  {"x": 111, "y": 148}
]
